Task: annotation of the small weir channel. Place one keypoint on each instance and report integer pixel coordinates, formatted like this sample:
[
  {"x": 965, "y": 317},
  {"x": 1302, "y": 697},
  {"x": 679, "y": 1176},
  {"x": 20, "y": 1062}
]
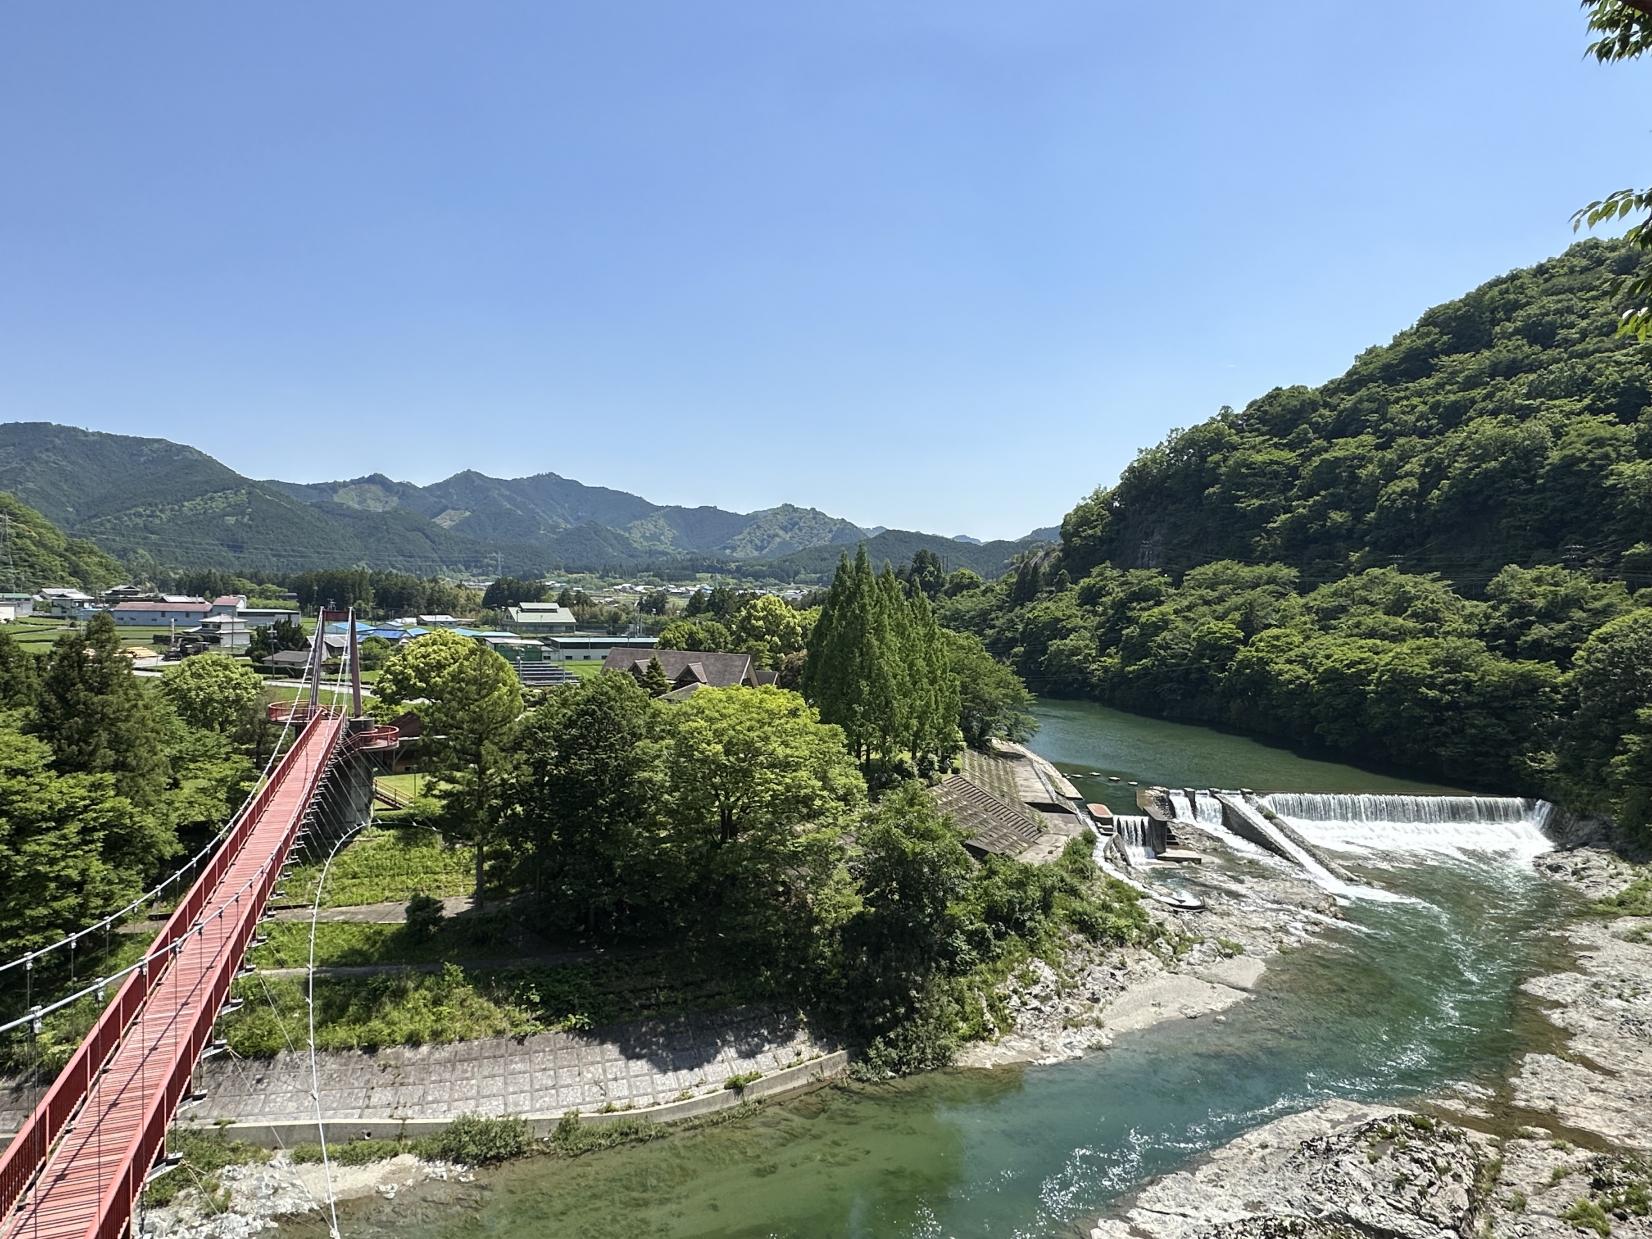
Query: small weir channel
[{"x": 1409, "y": 997}]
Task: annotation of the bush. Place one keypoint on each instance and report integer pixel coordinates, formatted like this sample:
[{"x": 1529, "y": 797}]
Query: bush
[
  {"x": 424, "y": 917},
  {"x": 478, "y": 1141}
]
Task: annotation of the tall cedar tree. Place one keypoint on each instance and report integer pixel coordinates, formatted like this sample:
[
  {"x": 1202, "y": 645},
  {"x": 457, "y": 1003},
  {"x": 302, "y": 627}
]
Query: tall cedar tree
[
  {"x": 97, "y": 718},
  {"x": 877, "y": 668},
  {"x": 18, "y": 682}
]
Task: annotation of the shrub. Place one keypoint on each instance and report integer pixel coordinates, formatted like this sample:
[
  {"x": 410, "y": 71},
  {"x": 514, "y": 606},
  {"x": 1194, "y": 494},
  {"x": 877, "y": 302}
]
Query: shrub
[
  {"x": 479, "y": 1141},
  {"x": 424, "y": 917},
  {"x": 1587, "y": 1215}
]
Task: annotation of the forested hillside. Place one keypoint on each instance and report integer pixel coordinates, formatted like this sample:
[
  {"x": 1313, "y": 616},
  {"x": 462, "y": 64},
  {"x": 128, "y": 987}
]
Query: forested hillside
[
  {"x": 1510, "y": 426},
  {"x": 35, "y": 554},
  {"x": 163, "y": 505},
  {"x": 1439, "y": 561}
]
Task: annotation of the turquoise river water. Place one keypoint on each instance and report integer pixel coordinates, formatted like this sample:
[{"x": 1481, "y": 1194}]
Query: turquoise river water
[{"x": 1410, "y": 996}]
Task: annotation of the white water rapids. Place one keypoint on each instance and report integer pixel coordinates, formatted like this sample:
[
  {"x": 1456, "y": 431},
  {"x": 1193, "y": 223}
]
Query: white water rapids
[
  {"x": 1395, "y": 826},
  {"x": 1391, "y": 828}
]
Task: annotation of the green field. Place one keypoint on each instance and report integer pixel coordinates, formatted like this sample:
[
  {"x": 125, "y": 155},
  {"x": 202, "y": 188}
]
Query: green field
[
  {"x": 37, "y": 634},
  {"x": 411, "y": 784},
  {"x": 459, "y": 1004},
  {"x": 582, "y": 669},
  {"x": 387, "y": 865}
]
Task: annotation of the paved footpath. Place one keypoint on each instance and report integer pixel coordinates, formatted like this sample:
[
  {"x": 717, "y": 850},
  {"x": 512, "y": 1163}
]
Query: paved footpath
[
  {"x": 628, "y": 1066},
  {"x": 623, "y": 1067}
]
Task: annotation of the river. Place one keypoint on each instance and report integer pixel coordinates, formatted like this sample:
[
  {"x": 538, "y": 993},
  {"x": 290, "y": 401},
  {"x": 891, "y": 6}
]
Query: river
[{"x": 1411, "y": 996}]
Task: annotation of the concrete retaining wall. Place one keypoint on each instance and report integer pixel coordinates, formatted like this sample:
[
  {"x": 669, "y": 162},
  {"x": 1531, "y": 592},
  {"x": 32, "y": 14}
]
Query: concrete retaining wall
[{"x": 280, "y": 1135}]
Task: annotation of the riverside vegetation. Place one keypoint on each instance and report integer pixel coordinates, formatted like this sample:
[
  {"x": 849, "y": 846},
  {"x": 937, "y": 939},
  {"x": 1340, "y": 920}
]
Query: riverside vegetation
[
  {"x": 1439, "y": 560},
  {"x": 742, "y": 844}
]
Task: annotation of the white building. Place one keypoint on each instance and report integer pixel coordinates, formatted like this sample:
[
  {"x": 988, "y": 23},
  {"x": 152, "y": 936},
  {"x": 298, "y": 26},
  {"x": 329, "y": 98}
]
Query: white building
[
  {"x": 590, "y": 647},
  {"x": 63, "y": 602},
  {"x": 227, "y": 633}
]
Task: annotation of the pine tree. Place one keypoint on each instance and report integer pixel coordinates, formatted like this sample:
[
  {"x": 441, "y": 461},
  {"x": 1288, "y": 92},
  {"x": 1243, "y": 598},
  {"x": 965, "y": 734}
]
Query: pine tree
[
  {"x": 654, "y": 679},
  {"x": 96, "y": 716}
]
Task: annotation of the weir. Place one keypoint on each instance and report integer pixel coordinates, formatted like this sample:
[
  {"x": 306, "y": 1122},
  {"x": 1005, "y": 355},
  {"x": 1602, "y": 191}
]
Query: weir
[
  {"x": 1381, "y": 824},
  {"x": 1247, "y": 819}
]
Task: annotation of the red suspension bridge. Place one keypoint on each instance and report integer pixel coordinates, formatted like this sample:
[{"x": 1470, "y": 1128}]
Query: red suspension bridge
[{"x": 75, "y": 1168}]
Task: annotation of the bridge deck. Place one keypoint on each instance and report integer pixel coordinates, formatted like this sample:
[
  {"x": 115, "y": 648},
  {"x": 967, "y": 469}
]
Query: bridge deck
[{"x": 92, "y": 1173}]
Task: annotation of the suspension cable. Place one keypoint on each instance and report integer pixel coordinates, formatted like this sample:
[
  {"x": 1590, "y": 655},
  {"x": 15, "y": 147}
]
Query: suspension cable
[{"x": 150, "y": 896}]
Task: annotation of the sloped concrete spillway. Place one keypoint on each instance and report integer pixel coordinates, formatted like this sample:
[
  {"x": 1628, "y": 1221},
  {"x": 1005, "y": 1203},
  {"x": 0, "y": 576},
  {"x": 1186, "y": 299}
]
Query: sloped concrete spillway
[
  {"x": 1309, "y": 829},
  {"x": 1386, "y": 824}
]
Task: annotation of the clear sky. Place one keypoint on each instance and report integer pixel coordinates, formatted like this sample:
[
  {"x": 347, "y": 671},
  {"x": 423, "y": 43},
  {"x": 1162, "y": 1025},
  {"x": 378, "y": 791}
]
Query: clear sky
[{"x": 941, "y": 266}]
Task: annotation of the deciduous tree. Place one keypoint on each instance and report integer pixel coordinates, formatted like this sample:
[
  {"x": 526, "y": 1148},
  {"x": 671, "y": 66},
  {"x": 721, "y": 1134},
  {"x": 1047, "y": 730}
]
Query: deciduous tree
[{"x": 468, "y": 697}]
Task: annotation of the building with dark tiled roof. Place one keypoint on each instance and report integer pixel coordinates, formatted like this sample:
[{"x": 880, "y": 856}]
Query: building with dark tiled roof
[{"x": 687, "y": 670}]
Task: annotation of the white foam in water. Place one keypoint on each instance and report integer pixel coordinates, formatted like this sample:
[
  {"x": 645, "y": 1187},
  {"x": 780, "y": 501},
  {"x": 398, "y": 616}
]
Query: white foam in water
[
  {"x": 1202, "y": 809},
  {"x": 1319, "y": 873},
  {"x": 1131, "y": 840},
  {"x": 1441, "y": 825}
]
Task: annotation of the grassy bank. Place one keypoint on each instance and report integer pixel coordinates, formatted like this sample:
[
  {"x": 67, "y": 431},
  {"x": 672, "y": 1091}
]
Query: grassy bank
[
  {"x": 387, "y": 865},
  {"x": 462, "y": 1004}
]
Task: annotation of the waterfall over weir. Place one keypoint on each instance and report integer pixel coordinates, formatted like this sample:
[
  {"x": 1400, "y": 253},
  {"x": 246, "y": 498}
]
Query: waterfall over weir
[{"x": 1384, "y": 824}]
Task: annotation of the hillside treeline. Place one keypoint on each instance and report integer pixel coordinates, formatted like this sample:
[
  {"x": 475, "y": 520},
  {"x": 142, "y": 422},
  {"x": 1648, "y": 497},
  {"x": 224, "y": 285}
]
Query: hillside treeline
[
  {"x": 1511, "y": 426},
  {"x": 1439, "y": 561}
]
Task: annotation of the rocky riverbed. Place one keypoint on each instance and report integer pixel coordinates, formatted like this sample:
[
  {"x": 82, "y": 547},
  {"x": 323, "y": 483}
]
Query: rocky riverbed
[
  {"x": 1565, "y": 1149},
  {"x": 250, "y": 1197},
  {"x": 1203, "y": 962}
]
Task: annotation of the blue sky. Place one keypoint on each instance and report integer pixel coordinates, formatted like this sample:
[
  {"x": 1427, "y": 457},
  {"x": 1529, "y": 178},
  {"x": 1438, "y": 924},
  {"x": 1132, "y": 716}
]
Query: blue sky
[{"x": 941, "y": 266}]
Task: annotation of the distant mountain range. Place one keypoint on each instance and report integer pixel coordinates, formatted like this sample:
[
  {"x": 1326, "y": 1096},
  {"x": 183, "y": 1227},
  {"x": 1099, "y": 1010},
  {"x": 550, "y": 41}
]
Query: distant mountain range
[{"x": 158, "y": 504}]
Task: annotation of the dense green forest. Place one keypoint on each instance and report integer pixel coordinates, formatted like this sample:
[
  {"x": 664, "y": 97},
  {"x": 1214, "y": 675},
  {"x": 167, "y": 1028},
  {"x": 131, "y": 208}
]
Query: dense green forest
[
  {"x": 34, "y": 553},
  {"x": 1432, "y": 561},
  {"x": 105, "y": 778},
  {"x": 1510, "y": 426}
]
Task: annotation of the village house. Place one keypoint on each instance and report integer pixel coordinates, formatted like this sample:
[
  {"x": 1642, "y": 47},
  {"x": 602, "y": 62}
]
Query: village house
[
  {"x": 688, "y": 671},
  {"x": 63, "y": 603}
]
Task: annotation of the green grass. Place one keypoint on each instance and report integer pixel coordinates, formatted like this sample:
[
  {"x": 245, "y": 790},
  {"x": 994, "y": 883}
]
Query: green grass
[
  {"x": 387, "y": 866},
  {"x": 582, "y": 669},
  {"x": 1634, "y": 900},
  {"x": 341, "y": 943},
  {"x": 411, "y": 784},
  {"x": 459, "y": 1004},
  {"x": 291, "y": 692}
]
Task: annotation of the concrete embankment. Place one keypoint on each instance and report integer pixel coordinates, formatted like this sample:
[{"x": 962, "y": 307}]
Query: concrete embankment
[{"x": 276, "y": 1134}]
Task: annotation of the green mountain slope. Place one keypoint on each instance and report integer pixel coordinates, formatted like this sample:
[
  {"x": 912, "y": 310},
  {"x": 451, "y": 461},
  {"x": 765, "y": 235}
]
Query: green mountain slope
[
  {"x": 159, "y": 504},
  {"x": 897, "y": 546},
  {"x": 34, "y": 554},
  {"x": 532, "y": 509},
  {"x": 1509, "y": 426}
]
